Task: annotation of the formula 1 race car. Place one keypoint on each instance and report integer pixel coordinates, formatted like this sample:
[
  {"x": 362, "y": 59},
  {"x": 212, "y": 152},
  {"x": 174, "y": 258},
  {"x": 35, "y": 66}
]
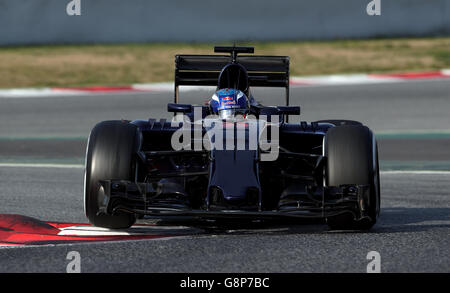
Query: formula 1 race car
[{"x": 232, "y": 158}]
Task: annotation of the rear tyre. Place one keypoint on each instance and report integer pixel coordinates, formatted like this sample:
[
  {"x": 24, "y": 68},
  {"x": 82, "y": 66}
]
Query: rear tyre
[
  {"x": 352, "y": 158},
  {"x": 109, "y": 155}
]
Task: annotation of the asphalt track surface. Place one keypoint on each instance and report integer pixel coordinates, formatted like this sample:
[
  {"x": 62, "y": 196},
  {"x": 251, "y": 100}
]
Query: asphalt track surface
[
  {"x": 412, "y": 234},
  {"x": 399, "y": 107}
]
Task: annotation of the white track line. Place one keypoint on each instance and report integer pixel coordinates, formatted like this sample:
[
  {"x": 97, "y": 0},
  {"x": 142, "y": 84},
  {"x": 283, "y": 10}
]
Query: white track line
[
  {"x": 416, "y": 172},
  {"x": 138, "y": 230},
  {"x": 29, "y": 165}
]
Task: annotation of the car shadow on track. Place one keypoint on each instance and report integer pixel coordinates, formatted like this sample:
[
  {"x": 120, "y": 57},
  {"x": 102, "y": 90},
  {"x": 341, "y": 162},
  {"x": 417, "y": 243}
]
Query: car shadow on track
[
  {"x": 247, "y": 227},
  {"x": 402, "y": 219},
  {"x": 392, "y": 220}
]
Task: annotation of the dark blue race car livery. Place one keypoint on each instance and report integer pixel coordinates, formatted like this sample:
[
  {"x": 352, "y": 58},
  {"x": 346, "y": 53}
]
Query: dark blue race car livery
[{"x": 234, "y": 157}]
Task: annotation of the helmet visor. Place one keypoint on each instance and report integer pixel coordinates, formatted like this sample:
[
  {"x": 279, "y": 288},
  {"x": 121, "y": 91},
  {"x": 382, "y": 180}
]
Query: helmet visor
[{"x": 226, "y": 113}]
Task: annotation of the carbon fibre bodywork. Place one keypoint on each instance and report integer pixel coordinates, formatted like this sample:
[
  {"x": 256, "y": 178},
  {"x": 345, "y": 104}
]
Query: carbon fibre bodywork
[
  {"x": 224, "y": 183},
  {"x": 211, "y": 182}
]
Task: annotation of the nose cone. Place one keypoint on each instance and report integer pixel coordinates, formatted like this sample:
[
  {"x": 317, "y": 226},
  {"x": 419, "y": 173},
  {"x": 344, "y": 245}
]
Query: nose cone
[{"x": 234, "y": 182}]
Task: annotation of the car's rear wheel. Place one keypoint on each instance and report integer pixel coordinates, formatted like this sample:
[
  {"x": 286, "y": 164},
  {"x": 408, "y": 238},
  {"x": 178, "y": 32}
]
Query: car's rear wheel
[
  {"x": 352, "y": 158},
  {"x": 110, "y": 154}
]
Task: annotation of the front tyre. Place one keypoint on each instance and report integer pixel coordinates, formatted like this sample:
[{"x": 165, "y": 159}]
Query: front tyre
[
  {"x": 352, "y": 158},
  {"x": 110, "y": 154}
]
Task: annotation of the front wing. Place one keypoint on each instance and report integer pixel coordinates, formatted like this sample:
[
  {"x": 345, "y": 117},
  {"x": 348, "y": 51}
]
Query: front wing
[{"x": 119, "y": 196}]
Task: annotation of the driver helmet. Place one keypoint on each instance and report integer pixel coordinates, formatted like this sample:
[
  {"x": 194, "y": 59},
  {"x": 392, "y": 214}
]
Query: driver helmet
[{"x": 227, "y": 102}]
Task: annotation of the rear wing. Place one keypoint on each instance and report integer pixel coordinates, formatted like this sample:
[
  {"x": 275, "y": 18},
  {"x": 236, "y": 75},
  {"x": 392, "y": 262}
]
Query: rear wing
[{"x": 204, "y": 70}]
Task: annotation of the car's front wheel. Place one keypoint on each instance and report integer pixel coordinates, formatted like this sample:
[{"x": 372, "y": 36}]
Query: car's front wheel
[
  {"x": 352, "y": 158},
  {"x": 109, "y": 155}
]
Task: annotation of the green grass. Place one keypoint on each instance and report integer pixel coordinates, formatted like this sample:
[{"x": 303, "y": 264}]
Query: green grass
[{"x": 83, "y": 65}]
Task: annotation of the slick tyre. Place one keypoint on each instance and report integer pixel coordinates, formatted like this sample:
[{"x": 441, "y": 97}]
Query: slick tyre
[
  {"x": 110, "y": 154},
  {"x": 352, "y": 158}
]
